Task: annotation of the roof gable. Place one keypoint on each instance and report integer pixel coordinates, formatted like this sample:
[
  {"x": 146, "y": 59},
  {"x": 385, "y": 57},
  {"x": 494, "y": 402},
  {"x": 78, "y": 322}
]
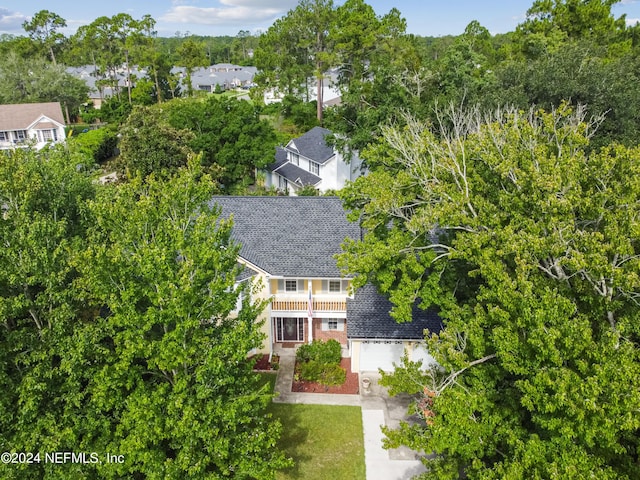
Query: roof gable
[
  {"x": 289, "y": 236},
  {"x": 313, "y": 145},
  {"x": 22, "y": 116}
]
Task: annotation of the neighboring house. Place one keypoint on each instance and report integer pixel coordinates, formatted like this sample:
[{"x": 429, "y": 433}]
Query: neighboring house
[
  {"x": 102, "y": 86},
  {"x": 224, "y": 76},
  {"x": 34, "y": 124},
  {"x": 310, "y": 160},
  {"x": 288, "y": 248},
  {"x": 331, "y": 95}
]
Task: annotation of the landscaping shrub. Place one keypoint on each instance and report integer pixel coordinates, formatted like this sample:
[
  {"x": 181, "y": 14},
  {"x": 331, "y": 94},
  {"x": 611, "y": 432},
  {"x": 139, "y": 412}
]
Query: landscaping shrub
[
  {"x": 100, "y": 144},
  {"x": 324, "y": 352},
  {"x": 320, "y": 362},
  {"x": 332, "y": 375}
]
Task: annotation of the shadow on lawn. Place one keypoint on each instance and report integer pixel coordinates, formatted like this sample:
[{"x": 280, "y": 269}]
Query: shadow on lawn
[{"x": 294, "y": 436}]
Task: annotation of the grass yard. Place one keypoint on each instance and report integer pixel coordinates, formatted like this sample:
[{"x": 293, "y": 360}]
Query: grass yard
[{"x": 325, "y": 441}]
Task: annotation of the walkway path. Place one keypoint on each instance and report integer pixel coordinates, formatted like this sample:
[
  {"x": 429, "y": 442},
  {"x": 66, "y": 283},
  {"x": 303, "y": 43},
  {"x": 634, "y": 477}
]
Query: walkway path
[{"x": 377, "y": 409}]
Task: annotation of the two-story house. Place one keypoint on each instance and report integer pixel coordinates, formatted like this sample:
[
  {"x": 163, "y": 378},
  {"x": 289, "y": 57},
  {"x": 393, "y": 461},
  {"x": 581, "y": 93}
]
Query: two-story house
[
  {"x": 288, "y": 248},
  {"x": 34, "y": 124},
  {"x": 310, "y": 160}
]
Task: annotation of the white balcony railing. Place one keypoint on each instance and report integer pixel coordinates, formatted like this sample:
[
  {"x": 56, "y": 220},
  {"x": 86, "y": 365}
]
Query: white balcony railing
[{"x": 299, "y": 303}]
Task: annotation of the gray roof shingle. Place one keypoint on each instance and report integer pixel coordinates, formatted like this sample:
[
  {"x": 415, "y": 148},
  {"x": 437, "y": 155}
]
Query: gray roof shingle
[
  {"x": 313, "y": 145},
  {"x": 369, "y": 318},
  {"x": 281, "y": 158},
  {"x": 297, "y": 175},
  {"x": 20, "y": 116},
  {"x": 289, "y": 236}
]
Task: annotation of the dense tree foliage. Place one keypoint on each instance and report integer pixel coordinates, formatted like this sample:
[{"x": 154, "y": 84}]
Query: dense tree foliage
[
  {"x": 527, "y": 243},
  {"x": 118, "y": 331},
  {"x": 43, "y": 29},
  {"x": 150, "y": 145},
  {"x": 229, "y": 133},
  {"x": 34, "y": 80}
]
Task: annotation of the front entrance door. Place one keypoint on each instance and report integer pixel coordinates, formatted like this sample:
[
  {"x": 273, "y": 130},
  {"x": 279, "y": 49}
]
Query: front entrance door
[{"x": 289, "y": 329}]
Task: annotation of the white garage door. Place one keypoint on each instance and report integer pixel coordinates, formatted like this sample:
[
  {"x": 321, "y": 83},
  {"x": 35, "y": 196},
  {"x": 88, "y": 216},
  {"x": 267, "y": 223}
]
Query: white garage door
[
  {"x": 375, "y": 355},
  {"x": 420, "y": 353}
]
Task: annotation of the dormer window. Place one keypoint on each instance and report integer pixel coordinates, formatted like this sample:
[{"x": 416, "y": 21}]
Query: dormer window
[
  {"x": 295, "y": 159},
  {"x": 314, "y": 168}
]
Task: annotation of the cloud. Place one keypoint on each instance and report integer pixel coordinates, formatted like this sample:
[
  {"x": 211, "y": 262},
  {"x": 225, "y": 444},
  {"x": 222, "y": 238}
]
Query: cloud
[
  {"x": 11, "y": 21},
  {"x": 632, "y": 21},
  {"x": 627, "y": 2},
  {"x": 239, "y": 12},
  {"x": 277, "y": 4}
]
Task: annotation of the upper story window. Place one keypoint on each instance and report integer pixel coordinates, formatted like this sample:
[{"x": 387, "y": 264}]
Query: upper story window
[
  {"x": 295, "y": 158},
  {"x": 335, "y": 286},
  {"x": 314, "y": 168}
]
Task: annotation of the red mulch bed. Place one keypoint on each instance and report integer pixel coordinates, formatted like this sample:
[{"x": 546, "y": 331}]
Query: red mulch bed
[
  {"x": 350, "y": 386},
  {"x": 263, "y": 364}
]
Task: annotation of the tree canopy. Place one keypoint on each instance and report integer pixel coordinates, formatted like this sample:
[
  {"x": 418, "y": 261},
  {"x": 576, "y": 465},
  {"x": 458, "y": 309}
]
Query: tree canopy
[
  {"x": 121, "y": 331},
  {"x": 527, "y": 244}
]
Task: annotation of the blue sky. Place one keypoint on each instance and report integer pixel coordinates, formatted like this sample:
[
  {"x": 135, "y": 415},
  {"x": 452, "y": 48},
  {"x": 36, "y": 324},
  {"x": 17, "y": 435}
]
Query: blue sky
[{"x": 227, "y": 17}]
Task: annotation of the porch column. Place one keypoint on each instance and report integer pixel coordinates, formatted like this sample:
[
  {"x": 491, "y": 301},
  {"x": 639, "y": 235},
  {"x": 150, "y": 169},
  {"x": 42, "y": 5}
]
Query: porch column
[{"x": 310, "y": 312}]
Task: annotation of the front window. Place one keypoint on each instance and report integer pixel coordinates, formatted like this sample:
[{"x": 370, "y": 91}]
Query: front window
[
  {"x": 333, "y": 325},
  {"x": 314, "y": 168},
  {"x": 20, "y": 135},
  {"x": 282, "y": 183},
  {"x": 290, "y": 285},
  {"x": 48, "y": 135},
  {"x": 4, "y": 136},
  {"x": 335, "y": 286}
]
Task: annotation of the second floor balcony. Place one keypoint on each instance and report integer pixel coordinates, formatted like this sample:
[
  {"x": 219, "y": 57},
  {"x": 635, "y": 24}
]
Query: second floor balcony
[{"x": 299, "y": 303}]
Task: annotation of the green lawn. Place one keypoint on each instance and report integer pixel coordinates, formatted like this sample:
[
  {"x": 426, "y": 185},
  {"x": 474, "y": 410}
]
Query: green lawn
[{"x": 325, "y": 441}]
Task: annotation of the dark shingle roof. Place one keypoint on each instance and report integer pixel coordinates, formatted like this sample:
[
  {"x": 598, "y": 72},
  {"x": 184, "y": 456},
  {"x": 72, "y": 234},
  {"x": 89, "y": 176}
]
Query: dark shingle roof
[
  {"x": 245, "y": 272},
  {"x": 313, "y": 145},
  {"x": 297, "y": 175},
  {"x": 281, "y": 158},
  {"x": 289, "y": 236},
  {"x": 369, "y": 318}
]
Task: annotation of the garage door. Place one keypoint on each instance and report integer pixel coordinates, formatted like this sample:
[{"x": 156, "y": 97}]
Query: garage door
[
  {"x": 420, "y": 353},
  {"x": 375, "y": 355}
]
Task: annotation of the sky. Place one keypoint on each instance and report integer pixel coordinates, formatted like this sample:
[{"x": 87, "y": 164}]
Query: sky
[{"x": 228, "y": 17}]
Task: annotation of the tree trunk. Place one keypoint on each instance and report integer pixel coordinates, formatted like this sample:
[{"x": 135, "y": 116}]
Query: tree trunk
[{"x": 319, "y": 97}]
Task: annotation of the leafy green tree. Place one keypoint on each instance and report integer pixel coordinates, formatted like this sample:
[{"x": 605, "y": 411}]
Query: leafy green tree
[
  {"x": 118, "y": 331},
  {"x": 581, "y": 73},
  {"x": 527, "y": 243},
  {"x": 176, "y": 382},
  {"x": 191, "y": 55},
  {"x": 297, "y": 47},
  {"x": 99, "y": 144},
  {"x": 150, "y": 145},
  {"x": 229, "y": 133},
  {"x": 377, "y": 65},
  {"x": 43, "y": 29},
  {"x": 44, "y": 367},
  {"x": 36, "y": 80}
]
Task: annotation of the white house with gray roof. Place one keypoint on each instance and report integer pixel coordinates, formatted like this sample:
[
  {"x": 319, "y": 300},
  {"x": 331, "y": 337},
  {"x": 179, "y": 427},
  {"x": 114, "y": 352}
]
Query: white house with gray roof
[
  {"x": 288, "y": 247},
  {"x": 311, "y": 160},
  {"x": 31, "y": 124}
]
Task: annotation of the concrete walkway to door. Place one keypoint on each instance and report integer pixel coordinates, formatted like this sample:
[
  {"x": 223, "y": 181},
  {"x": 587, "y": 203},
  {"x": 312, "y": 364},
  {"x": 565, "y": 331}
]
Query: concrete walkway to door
[{"x": 378, "y": 409}]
